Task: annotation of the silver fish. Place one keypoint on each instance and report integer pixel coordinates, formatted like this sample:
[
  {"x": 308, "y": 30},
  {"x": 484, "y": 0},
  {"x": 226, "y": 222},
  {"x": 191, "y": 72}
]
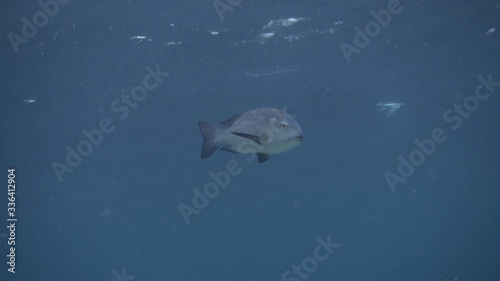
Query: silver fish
[{"x": 265, "y": 131}]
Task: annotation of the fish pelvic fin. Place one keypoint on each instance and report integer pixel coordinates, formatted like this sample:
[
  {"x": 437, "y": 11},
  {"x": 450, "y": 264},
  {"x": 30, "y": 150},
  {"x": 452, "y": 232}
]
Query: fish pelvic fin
[{"x": 209, "y": 134}]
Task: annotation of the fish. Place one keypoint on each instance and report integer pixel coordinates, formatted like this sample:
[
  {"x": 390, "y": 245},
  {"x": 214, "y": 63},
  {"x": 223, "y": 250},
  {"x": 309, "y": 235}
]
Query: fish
[{"x": 262, "y": 131}]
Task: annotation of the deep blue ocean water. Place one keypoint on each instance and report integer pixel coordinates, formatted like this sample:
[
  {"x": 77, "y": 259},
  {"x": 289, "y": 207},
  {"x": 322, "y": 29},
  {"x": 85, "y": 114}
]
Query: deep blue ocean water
[{"x": 115, "y": 213}]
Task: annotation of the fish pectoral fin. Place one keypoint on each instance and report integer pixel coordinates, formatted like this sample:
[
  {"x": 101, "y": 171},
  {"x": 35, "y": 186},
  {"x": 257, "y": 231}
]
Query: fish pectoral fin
[
  {"x": 263, "y": 157},
  {"x": 254, "y": 138}
]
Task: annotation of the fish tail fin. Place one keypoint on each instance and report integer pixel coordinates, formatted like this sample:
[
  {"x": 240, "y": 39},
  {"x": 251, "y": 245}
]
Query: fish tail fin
[{"x": 210, "y": 143}]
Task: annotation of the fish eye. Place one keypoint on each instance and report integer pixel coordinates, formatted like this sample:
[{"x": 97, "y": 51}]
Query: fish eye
[{"x": 283, "y": 125}]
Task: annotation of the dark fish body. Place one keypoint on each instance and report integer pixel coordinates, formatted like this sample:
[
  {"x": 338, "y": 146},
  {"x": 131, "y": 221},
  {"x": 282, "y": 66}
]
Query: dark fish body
[{"x": 265, "y": 131}]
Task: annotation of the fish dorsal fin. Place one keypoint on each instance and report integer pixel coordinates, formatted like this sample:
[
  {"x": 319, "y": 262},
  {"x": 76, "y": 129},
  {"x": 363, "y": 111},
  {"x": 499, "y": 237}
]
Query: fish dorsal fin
[
  {"x": 263, "y": 157},
  {"x": 229, "y": 122},
  {"x": 254, "y": 138}
]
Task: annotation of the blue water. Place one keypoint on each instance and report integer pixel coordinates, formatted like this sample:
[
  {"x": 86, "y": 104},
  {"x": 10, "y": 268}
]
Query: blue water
[{"x": 116, "y": 215}]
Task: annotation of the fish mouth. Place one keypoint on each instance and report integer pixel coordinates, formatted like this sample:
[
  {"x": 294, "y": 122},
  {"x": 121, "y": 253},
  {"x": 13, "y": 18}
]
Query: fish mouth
[{"x": 299, "y": 138}]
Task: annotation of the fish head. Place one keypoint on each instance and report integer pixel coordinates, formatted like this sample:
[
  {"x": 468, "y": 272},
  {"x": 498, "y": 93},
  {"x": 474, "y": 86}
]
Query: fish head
[{"x": 282, "y": 133}]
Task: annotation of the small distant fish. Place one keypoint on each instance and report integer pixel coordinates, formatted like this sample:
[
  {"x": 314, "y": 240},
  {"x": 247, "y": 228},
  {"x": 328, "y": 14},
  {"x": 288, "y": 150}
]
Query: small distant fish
[
  {"x": 29, "y": 100},
  {"x": 264, "y": 131}
]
